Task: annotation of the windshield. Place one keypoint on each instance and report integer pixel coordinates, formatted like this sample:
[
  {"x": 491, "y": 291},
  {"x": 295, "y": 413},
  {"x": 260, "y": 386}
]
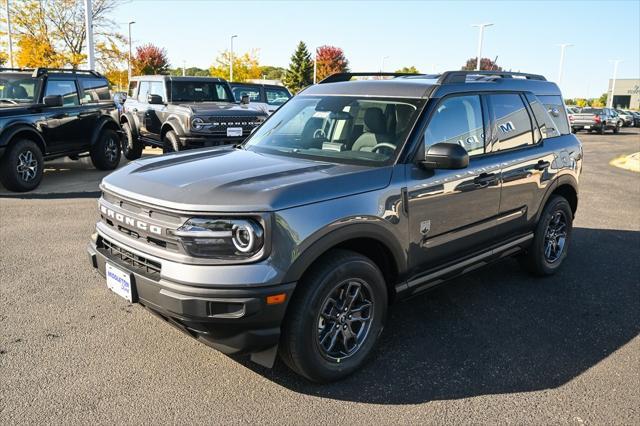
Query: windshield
[
  {"x": 252, "y": 91},
  {"x": 16, "y": 89},
  {"x": 199, "y": 91},
  {"x": 341, "y": 129}
]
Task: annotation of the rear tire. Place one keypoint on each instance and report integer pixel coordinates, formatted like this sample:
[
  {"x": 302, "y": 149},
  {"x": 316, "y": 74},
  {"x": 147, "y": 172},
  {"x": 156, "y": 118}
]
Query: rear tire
[
  {"x": 551, "y": 239},
  {"x": 170, "y": 142},
  {"x": 132, "y": 148},
  {"x": 335, "y": 317},
  {"x": 617, "y": 128},
  {"x": 105, "y": 153},
  {"x": 21, "y": 166}
]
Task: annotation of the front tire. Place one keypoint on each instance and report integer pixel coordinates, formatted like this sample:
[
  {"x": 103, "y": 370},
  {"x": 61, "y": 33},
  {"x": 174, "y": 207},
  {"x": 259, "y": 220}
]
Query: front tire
[
  {"x": 616, "y": 129},
  {"x": 132, "y": 148},
  {"x": 335, "y": 317},
  {"x": 551, "y": 238},
  {"x": 21, "y": 167},
  {"x": 170, "y": 142},
  {"x": 105, "y": 153}
]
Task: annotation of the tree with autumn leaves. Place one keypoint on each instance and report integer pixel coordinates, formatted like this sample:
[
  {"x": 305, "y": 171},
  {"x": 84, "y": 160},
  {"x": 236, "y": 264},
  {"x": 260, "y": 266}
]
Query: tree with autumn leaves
[
  {"x": 330, "y": 60},
  {"x": 150, "y": 59}
]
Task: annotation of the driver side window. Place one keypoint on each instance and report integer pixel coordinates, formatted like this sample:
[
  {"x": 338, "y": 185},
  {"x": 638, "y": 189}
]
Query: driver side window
[{"x": 458, "y": 120}]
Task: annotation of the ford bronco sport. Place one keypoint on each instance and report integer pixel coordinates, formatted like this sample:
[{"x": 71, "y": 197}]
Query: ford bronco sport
[
  {"x": 176, "y": 113},
  {"x": 48, "y": 113},
  {"x": 353, "y": 195}
]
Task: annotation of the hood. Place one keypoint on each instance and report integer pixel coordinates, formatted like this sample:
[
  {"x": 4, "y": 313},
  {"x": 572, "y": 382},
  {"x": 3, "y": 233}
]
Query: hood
[
  {"x": 236, "y": 180},
  {"x": 222, "y": 109}
]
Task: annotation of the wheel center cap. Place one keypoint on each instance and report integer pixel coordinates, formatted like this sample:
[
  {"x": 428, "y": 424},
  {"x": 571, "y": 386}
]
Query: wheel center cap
[{"x": 342, "y": 319}]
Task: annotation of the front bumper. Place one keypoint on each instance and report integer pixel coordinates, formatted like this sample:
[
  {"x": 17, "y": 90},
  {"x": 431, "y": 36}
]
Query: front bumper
[{"x": 231, "y": 320}]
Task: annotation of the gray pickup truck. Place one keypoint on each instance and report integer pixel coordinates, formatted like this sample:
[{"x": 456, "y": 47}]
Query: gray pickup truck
[
  {"x": 350, "y": 197},
  {"x": 596, "y": 119}
]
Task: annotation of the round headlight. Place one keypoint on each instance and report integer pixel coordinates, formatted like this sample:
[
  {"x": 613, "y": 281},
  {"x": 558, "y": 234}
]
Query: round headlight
[
  {"x": 197, "y": 123},
  {"x": 244, "y": 237}
]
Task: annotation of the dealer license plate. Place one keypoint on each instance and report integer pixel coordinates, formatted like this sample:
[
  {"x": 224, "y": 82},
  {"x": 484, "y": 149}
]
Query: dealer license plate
[
  {"x": 119, "y": 282},
  {"x": 587, "y": 127},
  {"x": 234, "y": 131}
]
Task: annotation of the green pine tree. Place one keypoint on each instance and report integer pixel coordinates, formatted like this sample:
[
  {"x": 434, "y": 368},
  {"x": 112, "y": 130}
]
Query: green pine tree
[{"x": 300, "y": 72}]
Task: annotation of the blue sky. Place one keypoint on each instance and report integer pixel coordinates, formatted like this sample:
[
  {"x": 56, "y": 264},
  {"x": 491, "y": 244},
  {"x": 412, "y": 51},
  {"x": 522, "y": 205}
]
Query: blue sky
[{"x": 429, "y": 35}]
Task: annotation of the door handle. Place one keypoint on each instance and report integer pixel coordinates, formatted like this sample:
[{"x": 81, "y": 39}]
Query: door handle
[
  {"x": 542, "y": 165},
  {"x": 484, "y": 179}
]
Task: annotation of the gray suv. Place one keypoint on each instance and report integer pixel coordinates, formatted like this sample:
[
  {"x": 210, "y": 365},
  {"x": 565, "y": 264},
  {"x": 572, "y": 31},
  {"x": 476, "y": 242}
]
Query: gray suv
[{"x": 357, "y": 193}]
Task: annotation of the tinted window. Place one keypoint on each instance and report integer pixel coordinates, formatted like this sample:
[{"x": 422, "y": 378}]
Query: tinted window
[
  {"x": 458, "y": 120},
  {"x": 94, "y": 90},
  {"x": 16, "y": 88},
  {"x": 133, "y": 85},
  {"x": 252, "y": 92},
  {"x": 145, "y": 86},
  {"x": 65, "y": 88},
  {"x": 545, "y": 122},
  {"x": 199, "y": 91},
  {"x": 512, "y": 121},
  {"x": 276, "y": 96},
  {"x": 555, "y": 107}
]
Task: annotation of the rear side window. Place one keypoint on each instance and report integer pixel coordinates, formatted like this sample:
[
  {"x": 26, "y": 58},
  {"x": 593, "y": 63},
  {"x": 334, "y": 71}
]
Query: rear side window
[
  {"x": 556, "y": 110},
  {"x": 65, "y": 88},
  {"x": 458, "y": 120},
  {"x": 512, "y": 121},
  {"x": 133, "y": 85},
  {"x": 94, "y": 90},
  {"x": 545, "y": 123}
]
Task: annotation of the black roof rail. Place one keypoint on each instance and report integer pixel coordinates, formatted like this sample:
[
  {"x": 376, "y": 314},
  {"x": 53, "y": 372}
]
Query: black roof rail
[
  {"x": 346, "y": 76},
  {"x": 453, "y": 77},
  {"x": 37, "y": 72},
  {"x": 16, "y": 69}
]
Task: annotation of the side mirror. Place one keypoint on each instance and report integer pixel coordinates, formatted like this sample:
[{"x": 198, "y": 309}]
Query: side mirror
[
  {"x": 154, "y": 99},
  {"x": 53, "y": 101},
  {"x": 445, "y": 156},
  {"x": 244, "y": 100}
]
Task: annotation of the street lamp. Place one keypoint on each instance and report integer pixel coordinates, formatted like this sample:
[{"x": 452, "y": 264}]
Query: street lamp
[
  {"x": 613, "y": 84},
  {"x": 9, "y": 34},
  {"x": 561, "y": 68},
  {"x": 231, "y": 59},
  {"x": 382, "y": 63},
  {"x": 130, "y": 55},
  {"x": 315, "y": 65},
  {"x": 481, "y": 26}
]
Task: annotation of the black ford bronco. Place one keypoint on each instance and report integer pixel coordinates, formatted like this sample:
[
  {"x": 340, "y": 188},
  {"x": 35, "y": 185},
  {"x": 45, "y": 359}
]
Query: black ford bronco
[
  {"x": 176, "y": 113},
  {"x": 48, "y": 113},
  {"x": 352, "y": 196}
]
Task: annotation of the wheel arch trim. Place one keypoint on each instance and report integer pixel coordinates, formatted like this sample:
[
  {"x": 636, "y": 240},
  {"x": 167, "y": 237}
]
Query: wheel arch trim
[{"x": 9, "y": 133}]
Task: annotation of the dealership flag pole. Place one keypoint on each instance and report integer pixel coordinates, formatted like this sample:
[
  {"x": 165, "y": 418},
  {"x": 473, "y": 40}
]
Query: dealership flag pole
[
  {"x": 10, "y": 40},
  {"x": 231, "y": 59},
  {"x": 561, "y": 68},
  {"x": 88, "y": 15},
  {"x": 481, "y": 26}
]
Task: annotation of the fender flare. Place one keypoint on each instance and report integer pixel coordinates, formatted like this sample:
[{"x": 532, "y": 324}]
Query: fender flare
[
  {"x": 9, "y": 133},
  {"x": 561, "y": 180},
  {"x": 340, "y": 235},
  {"x": 103, "y": 122},
  {"x": 128, "y": 118}
]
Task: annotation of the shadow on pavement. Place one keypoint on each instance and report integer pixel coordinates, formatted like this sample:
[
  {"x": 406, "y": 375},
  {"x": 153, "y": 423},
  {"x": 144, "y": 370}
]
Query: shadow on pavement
[{"x": 498, "y": 330}]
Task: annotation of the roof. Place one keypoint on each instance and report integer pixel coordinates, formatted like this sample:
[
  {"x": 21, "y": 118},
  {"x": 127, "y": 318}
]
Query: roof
[
  {"x": 422, "y": 86},
  {"x": 174, "y": 78},
  {"x": 240, "y": 84}
]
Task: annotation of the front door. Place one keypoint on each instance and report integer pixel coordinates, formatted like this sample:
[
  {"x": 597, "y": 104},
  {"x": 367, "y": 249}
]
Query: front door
[{"x": 452, "y": 212}]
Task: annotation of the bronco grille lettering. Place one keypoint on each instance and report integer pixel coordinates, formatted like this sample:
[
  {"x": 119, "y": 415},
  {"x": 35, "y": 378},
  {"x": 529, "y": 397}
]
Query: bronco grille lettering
[{"x": 154, "y": 229}]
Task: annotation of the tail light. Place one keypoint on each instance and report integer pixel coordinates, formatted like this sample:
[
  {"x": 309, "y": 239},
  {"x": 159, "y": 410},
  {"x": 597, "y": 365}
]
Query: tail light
[{"x": 596, "y": 118}]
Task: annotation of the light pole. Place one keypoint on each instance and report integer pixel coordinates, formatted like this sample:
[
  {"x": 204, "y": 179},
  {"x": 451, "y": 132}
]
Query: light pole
[
  {"x": 613, "y": 84},
  {"x": 10, "y": 40},
  {"x": 561, "y": 68},
  {"x": 382, "y": 63},
  {"x": 130, "y": 55},
  {"x": 231, "y": 59},
  {"x": 315, "y": 65},
  {"x": 482, "y": 27},
  {"x": 88, "y": 20},
  {"x": 184, "y": 68}
]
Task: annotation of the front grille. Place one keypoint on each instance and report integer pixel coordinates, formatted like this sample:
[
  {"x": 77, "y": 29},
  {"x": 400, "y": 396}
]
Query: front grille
[
  {"x": 219, "y": 125},
  {"x": 140, "y": 264}
]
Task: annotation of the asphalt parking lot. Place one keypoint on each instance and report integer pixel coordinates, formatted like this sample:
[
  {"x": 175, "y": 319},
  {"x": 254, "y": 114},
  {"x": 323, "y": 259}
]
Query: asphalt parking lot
[{"x": 494, "y": 346}]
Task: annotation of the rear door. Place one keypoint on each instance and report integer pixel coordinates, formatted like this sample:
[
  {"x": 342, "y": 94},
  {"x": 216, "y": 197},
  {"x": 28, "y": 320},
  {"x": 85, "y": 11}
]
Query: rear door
[
  {"x": 94, "y": 94},
  {"x": 452, "y": 212},
  {"x": 518, "y": 144}
]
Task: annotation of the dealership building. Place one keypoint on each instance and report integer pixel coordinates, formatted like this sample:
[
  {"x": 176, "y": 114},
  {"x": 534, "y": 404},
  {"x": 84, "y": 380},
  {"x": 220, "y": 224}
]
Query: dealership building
[{"x": 626, "y": 93}]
